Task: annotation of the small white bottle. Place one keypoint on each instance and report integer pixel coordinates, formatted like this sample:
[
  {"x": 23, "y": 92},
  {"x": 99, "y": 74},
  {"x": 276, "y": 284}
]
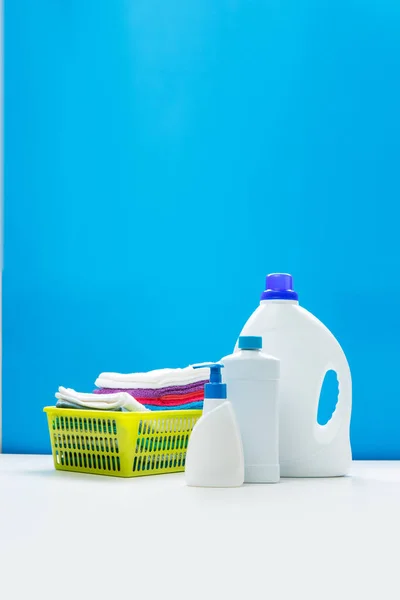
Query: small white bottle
[
  {"x": 252, "y": 378},
  {"x": 214, "y": 457}
]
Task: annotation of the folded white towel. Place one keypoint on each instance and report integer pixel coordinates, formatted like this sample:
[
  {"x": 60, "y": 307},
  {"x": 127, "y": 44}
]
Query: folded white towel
[
  {"x": 101, "y": 401},
  {"x": 153, "y": 379}
]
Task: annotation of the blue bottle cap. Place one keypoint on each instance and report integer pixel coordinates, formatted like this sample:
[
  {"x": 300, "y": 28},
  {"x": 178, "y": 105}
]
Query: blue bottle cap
[
  {"x": 279, "y": 286},
  {"x": 250, "y": 342}
]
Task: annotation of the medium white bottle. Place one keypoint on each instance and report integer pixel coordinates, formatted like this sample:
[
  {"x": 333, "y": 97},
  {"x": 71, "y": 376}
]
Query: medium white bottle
[{"x": 252, "y": 378}]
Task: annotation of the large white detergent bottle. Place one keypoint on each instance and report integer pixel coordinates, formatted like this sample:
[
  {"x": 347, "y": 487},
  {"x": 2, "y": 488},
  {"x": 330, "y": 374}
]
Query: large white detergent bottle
[{"x": 307, "y": 350}]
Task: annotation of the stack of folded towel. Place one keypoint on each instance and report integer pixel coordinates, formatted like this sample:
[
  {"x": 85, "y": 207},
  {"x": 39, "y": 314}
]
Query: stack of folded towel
[{"x": 162, "y": 389}]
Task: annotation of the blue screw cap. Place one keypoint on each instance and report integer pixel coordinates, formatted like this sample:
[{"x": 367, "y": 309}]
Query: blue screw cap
[
  {"x": 250, "y": 342},
  {"x": 279, "y": 286}
]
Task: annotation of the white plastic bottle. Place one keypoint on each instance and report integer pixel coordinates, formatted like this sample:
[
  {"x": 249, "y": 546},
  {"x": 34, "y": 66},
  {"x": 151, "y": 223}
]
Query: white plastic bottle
[
  {"x": 307, "y": 350},
  {"x": 252, "y": 378},
  {"x": 214, "y": 457}
]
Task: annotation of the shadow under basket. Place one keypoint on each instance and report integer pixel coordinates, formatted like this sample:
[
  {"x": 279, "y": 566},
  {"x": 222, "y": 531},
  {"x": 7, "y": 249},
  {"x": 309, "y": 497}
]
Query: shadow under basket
[{"x": 121, "y": 444}]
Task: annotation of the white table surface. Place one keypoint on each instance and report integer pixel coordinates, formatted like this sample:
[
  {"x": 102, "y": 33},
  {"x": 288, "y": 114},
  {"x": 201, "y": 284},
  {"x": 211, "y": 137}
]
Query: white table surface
[{"x": 67, "y": 535}]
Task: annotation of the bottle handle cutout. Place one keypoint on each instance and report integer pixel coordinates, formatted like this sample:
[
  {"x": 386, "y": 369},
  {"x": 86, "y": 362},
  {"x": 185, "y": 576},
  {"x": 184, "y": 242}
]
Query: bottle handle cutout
[{"x": 328, "y": 432}]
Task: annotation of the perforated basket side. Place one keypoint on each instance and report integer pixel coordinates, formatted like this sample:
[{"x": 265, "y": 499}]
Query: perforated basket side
[
  {"x": 86, "y": 442},
  {"x": 162, "y": 441}
]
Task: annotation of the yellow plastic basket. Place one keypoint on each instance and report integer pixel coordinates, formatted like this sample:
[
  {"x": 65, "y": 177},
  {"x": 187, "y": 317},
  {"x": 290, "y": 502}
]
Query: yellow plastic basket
[{"x": 118, "y": 443}]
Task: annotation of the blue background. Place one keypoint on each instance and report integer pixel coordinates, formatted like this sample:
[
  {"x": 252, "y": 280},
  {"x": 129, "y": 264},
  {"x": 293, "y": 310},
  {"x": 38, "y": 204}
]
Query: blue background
[{"x": 162, "y": 156}]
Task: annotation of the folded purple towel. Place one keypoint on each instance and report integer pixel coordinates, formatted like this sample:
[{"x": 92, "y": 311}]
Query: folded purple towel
[
  {"x": 156, "y": 393},
  {"x": 190, "y": 406}
]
